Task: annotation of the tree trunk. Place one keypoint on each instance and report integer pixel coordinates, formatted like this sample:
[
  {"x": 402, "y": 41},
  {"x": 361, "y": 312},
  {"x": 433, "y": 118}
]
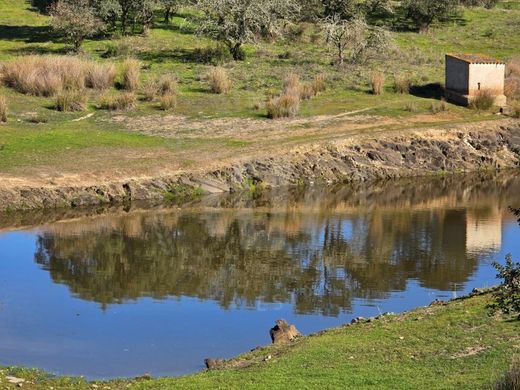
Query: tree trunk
[
  {"x": 235, "y": 51},
  {"x": 167, "y": 14}
]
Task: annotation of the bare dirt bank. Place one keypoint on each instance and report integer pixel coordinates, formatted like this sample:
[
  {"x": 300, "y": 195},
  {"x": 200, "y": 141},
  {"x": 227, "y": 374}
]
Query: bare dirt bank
[{"x": 462, "y": 148}]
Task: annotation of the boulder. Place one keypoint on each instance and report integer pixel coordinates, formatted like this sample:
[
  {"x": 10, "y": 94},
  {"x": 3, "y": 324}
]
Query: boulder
[{"x": 283, "y": 332}]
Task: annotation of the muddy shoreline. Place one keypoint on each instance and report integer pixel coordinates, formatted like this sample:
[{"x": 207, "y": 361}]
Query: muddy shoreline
[{"x": 466, "y": 148}]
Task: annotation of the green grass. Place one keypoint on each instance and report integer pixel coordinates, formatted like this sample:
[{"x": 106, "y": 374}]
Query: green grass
[
  {"x": 170, "y": 48},
  {"x": 443, "y": 347}
]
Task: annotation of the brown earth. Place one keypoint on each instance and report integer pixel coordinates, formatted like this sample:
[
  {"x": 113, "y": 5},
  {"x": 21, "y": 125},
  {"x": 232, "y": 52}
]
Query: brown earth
[{"x": 329, "y": 149}]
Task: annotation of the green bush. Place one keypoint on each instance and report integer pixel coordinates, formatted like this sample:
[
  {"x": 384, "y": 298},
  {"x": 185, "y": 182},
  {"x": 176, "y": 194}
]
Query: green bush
[
  {"x": 507, "y": 295},
  {"x": 214, "y": 55},
  {"x": 483, "y": 101}
]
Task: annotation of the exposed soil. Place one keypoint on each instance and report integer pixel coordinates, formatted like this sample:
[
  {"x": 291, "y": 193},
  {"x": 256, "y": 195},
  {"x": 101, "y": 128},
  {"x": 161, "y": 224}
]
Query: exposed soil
[{"x": 330, "y": 150}]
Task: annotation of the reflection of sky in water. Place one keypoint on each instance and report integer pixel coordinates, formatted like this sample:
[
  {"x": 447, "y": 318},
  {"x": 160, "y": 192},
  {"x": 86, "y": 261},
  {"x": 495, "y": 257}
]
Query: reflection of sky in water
[{"x": 43, "y": 325}]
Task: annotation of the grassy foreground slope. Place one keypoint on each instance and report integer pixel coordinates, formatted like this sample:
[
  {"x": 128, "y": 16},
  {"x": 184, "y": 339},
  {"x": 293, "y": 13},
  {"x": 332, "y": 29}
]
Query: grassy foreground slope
[
  {"x": 105, "y": 142},
  {"x": 457, "y": 346}
]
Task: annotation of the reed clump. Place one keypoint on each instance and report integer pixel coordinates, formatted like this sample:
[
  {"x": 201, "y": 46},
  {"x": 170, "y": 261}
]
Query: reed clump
[
  {"x": 130, "y": 74},
  {"x": 71, "y": 101},
  {"x": 218, "y": 80},
  {"x": 377, "y": 83}
]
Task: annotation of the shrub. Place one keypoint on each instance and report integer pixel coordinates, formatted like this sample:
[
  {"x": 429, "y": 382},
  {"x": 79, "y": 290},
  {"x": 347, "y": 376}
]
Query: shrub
[
  {"x": 131, "y": 71},
  {"x": 168, "y": 101},
  {"x": 150, "y": 90},
  {"x": 100, "y": 76},
  {"x": 511, "y": 379},
  {"x": 3, "y": 109},
  {"x": 483, "y": 101},
  {"x": 70, "y": 100},
  {"x": 402, "y": 84},
  {"x": 319, "y": 83},
  {"x": 377, "y": 83},
  {"x": 284, "y": 106},
  {"x": 307, "y": 92},
  {"x": 507, "y": 295},
  {"x": 514, "y": 109},
  {"x": 219, "y": 80},
  {"x": 167, "y": 84},
  {"x": 123, "y": 101},
  {"x": 512, "y": 87},
  {"x": 214, "y": 55}
]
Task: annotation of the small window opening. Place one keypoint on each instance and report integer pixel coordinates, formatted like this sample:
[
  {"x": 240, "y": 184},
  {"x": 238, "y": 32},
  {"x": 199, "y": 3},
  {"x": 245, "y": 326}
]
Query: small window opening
[{"x": 479, "y": 86}]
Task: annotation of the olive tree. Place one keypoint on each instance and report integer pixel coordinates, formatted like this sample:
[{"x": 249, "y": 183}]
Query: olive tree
[
  {"x": 75, "y": 20},
  {"x": 424, "y": 12},
  {"x": 354, "y": 37},
  {"x": 235, "y": 22}
]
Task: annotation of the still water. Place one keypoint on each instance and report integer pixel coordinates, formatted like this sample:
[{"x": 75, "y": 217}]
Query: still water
[{"x": 126, "y": 292}]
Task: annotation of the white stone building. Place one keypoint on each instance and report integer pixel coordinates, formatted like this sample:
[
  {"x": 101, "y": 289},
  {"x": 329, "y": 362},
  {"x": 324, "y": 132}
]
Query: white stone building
[{"x": 469, "y": 74}]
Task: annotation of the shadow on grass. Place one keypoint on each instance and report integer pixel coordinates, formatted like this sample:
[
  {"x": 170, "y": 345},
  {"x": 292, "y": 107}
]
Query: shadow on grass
[
  {"x": 428, "y": 91},
  {"x": 28, "y": 34}
]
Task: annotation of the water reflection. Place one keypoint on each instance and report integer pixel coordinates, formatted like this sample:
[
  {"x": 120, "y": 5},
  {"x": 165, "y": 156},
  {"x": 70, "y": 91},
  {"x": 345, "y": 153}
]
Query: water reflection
[{"x": 316, "y": 249}]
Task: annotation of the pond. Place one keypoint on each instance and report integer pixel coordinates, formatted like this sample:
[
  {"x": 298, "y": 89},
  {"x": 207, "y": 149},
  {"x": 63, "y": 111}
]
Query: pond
[{"x": 123, "y": 292}]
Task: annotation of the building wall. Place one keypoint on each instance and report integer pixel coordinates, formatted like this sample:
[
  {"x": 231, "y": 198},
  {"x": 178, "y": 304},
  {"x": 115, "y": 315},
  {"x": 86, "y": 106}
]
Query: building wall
[
  {"x": 457, "y": 75},
  {"x": 490, "y": 77}
]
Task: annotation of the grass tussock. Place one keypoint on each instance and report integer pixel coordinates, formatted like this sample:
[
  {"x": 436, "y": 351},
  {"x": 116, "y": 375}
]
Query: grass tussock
[
  {"x": 511, "y": 379},
  {"x": 292, "y": 85},
  {"x": 48, "y": 75},
  {"x": 168, "y": 101},
  {"x": 218, "y": 80},
  {"x": 71, "y": 101},
  {"x": 150, "y": 90},
  {"x": 130, "y": 74},
  {"x": 319, "y": 84},
  {"x": 402, "y": 84},
  {"x": 100, "y": 76},
  {"x": 484, "y": 101},
  {"x": 514, "y": 109},
  {"x": 3, "y": 109},
  {"x": 411, "y": 107},
  {"x": 437, "y": 107},
  {"x": 285, "y": 106},
  {"x": 122, "y": 101},
  {"x": 377, "y": 83},
  {"x": 167, "y": 84}
]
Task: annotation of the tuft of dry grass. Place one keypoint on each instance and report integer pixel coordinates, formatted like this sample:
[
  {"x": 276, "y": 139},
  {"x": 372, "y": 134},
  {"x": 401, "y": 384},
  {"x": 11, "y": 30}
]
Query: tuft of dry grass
[
  {"x": 511, "y": 379},
  {"x": 483, "y": 101},
  {"x": 168, "y": 101},
  {"x": 130, "y": 74},
  {"x": 307, "y": 92},
  {"x": 402, "y": 84},
  {"x": 437, "y": 107},
  {"x": 292, "y": 85},
  {"x": 218, "y": 80},
  {"x": 150, "y": 90},
  {"x": 3, "y": 109},
  {"x": 100, "y": 76},
  {"x": 411, "y": 107},
  {"x": 167, "y": 84},
  {"x": 319, "y": 84},
  {"x": 377, "y": 83},
  {"x": 48, "y": 75},
  {"x": 512, "y": 87},
  {"x": 71, "y": 101},
  {"x": 285, "y": 106},
  {"x": 513, "y": 67},
  {"x": 122, "y": 101},
  {"x": 514, "y": 109}
]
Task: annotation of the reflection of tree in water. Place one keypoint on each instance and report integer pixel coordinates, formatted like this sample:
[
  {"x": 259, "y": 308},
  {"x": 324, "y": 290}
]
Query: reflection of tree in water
[
  {"x": 317, "y": 259},
  {"x": 320, "y": 269}
]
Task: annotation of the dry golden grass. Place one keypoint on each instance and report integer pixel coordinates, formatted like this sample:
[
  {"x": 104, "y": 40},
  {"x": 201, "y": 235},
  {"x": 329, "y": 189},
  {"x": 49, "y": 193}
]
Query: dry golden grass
[
  {"x": 514, "y": 109},
  {"x": 307, "y": 92},
  {"x": 71, "y": 100},
  {"x": 218, "y": 80},
  {"x": 150, "y": 90},
  {"x": 292, "y": 84},
  {"x": 513, "y": 67},
  {"x": 3, "y": 109},
  {"x": 130, "y": 74},
  {"x": 48, "y": 75},
  {"x": 168, "y": 101},
  {"x": 377, "y": 83},
  {"x": 483, "y": 101},
  {"x": 402, "y": 84},
  {"x": 100, "y": 76},
  {"x": 512, "y": 87},
  {"x": 122, "y": 101},
  {"x": 319, "y": 84},
  {"x": 167, "y": 84},
  {"x": 284, "y": 106}
]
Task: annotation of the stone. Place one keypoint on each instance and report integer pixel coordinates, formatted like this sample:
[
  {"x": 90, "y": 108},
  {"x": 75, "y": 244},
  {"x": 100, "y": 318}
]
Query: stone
[
  {"x": 283, "y": 332},
  {"x": 14, "y": 380},
  {"x": 214, "y": 364}
]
